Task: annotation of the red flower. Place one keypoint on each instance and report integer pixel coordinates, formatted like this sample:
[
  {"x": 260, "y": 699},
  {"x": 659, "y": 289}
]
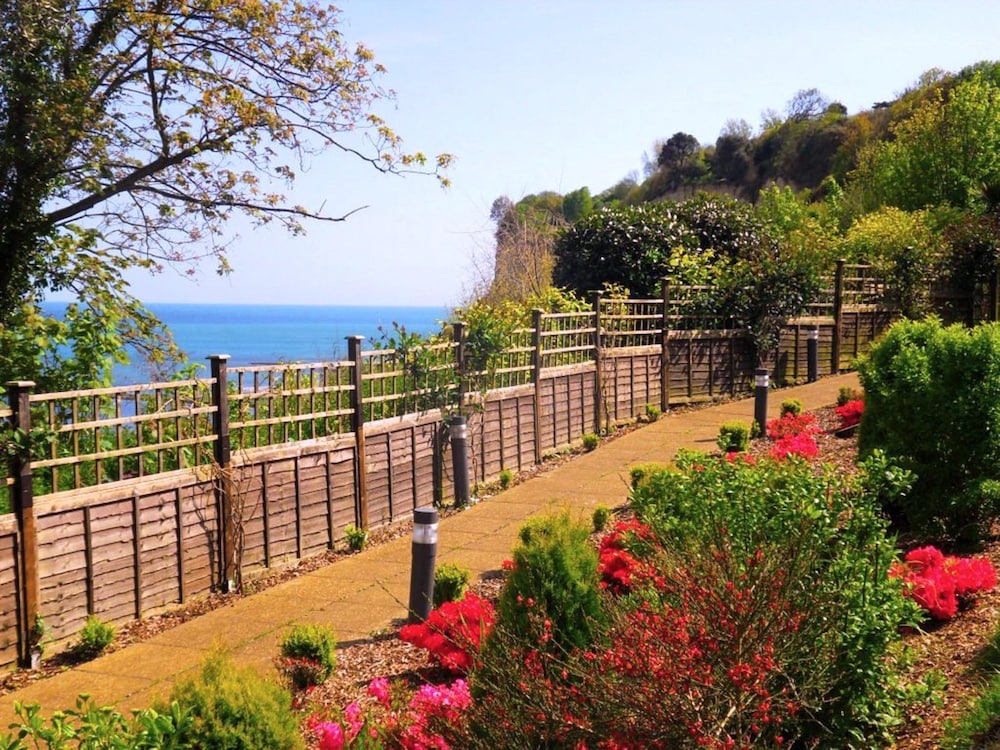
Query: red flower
[{"x": 850, "y": 413}]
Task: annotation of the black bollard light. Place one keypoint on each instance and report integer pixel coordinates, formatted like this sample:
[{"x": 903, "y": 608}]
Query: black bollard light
[
  {"x": 812, "y": 354},
  {"x": 459, "y": 434},
  {"x": 423, "y": 553},
  {"x": 762, "y": 383}
]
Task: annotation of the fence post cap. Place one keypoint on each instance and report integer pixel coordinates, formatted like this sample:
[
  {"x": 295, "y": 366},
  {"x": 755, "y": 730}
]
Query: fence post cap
[
  {"x": 222, "y": 357},
  {"x": 20, "y": 384}
]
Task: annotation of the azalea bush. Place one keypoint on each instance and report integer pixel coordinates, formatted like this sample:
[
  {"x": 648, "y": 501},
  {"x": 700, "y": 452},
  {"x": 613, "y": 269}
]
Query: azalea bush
[
  {"x": 453, "y": 633},
  {"x": 941, "y": 583},
  {"x": 850, "y": 412},
  {"x": 794, "y": 435},
  {"x": 623, "y": 557},
  {"x": 396, "y": 718}
]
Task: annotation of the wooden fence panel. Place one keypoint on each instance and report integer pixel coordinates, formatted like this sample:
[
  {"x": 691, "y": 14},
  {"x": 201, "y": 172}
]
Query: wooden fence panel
[
  {"x": 9, "y": 608},
  {"x": 314, "y": 516},
  {"x": 282, "y": 527},
  {"x": 425, "y": 437},
  {"x": 62, "y": 570},
  {"x": 341, "y": 488},
  {"x": 200, "y": 538},
  {"x": 159, "y": 547}
]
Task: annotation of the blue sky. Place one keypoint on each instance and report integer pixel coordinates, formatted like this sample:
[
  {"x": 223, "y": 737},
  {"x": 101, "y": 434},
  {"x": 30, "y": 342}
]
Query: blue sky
[{"x": 555, "y": 95}]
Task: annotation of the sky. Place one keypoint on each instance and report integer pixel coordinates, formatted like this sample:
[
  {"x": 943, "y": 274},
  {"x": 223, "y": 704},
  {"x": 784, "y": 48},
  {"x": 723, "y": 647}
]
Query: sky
[{"x": 556, "y": 95}]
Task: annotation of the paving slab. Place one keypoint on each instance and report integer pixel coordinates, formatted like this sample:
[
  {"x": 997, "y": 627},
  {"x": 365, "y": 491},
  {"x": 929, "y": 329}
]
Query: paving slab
[{"x": 365, "y": 594}]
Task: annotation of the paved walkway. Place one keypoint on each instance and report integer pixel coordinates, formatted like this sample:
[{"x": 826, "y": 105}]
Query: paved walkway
[{"x": 367, "y": 593}]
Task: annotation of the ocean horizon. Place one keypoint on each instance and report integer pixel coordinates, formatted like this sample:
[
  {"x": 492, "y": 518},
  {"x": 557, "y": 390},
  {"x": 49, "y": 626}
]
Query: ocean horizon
[{"x": 272, "y": 334}]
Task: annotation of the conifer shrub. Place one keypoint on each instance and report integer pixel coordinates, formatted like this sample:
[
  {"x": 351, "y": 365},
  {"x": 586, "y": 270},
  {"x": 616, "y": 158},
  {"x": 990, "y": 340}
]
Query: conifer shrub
[
  {"x": 932, "y": 404},
  {"x": 554, "y": 578},
  {"x": 791, "y": 406},
  {"x": 308, "y": 655},
  {"x": 450, "y": 582},
  {"x": 233, "y": 708},
  {"x": 95, "y": 637},
  {"x": 733, "y": 437}
]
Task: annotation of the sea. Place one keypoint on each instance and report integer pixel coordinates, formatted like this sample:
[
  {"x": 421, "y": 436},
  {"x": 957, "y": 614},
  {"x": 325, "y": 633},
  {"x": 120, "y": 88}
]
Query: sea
[{"x": 269, "y": 334}]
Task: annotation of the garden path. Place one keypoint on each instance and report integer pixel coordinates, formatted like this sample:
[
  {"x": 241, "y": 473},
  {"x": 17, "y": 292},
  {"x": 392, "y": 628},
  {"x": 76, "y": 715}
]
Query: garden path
[{"x": 367, "y": 593}]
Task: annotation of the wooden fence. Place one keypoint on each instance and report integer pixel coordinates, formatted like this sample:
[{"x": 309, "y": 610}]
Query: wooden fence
[{"x": 129, "y": 500}]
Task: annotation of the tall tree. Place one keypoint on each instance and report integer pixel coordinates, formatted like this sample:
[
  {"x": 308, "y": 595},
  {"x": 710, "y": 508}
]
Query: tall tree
[{"x": 132, "y": 130}]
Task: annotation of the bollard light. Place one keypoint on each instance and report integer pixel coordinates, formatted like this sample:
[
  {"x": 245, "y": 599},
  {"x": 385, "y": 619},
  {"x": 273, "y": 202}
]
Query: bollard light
[
  {"x": 812, "y": 355},
  {"x": 423, "y": 553},
  {"x": 459, "y": 434},
  {"x": 762, "y": 382}
]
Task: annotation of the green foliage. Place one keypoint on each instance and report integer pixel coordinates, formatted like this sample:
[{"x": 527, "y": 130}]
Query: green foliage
[
  {"x": 591, "y": 441},
  {"x": 791, "y": 406},
  {"x": 733, "y": 436},
  {"x": 600, "y": 517},
  {"x": 640, "y": 472},
  {"x": 450, "y": 582},
  {"x": 652, "y": 412},
  {"x": 554, "y": 577},
  {"x": 356, "y": 537},
  {"x": 932, "y": 403},
  {"x": 235, "y": 709},
  {"x": 930, "y": 160},
  {"x": 826, "y": 534},
  {"x": 847, "y": 393},
  {"x": 978, "y": 723},
  {"x": 630, "y": 246},
  {"x": 95, "y": 637},
  {"x": 903, "y": 248},
  {"x": 316, "y": 643},
  {"x": 506, "y": 477},
  {"x": 89, "y": 726}
]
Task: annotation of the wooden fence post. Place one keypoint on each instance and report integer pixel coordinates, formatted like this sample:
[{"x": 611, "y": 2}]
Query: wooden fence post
[
  {"x": 596, "y": 298},
  {"x": 19, "y": 393},
  {"x": 458, "y": 336},
  {"x": 536, "y": 377},
  {"x": 358, "y": 427},
  {"x": 224, "y": 467},
  {"x": 665, "y": 349},
  {"x": 838, "y": 314}
]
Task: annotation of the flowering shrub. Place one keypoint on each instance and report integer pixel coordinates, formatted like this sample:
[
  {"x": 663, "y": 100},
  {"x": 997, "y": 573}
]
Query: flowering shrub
[
  {"x": 940, "y": 583},
  {"x": 622, "y": 557},
  {"x": 791, "y": 424},
  {"x": 794, "y": 435},
  {"x": 453, "y": 632},
  {"x": 850, "y": 413},
  {"x": 416, "y": 724},
  {"x": 802, "y": 445}
]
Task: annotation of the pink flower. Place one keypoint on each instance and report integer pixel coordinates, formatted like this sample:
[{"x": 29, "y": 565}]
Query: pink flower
[
  {"x": 379, "y": 689},
  {"x": 330, "y": 735}
]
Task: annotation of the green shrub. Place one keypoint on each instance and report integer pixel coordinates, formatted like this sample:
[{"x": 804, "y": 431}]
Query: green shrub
[
  {"x": 316, "y": 646},
  {"x": 95, "y": 636},
  {"x": 356, "y": 537},
  {"x": 847, "y": 394},
  {"x": 652, "y": 412},
  {"x": 554, "y": 578},
  {"x": 450, "y": 582},
  {"x": 979, "y": 722},
  {"x": 90, "y": 726},
  {"x": 791, "y": 406},
  {"x": 590, "y": 441},
  {"x": 733, "y": 436},
  {"x": 639, "y": 472},
  {"x": 506, "y": 478},
  {"x": 932, "y": 403},
  {"x": 822, "y": 551},
  {"x": 600, "y": 518},
  {"x": 235, "y": 709}
]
